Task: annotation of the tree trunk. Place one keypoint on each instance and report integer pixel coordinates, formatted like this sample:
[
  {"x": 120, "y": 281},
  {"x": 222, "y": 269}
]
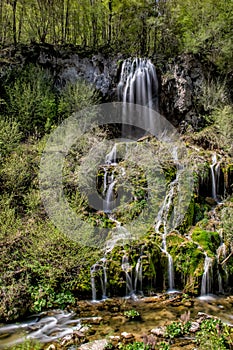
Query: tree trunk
[
  {"x": 110, "y": 22},
  {"x": 14, "y": 5}
]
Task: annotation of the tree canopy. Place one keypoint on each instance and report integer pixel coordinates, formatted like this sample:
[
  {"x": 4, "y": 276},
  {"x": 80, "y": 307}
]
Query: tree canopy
[{"x": 142, "y": 27}]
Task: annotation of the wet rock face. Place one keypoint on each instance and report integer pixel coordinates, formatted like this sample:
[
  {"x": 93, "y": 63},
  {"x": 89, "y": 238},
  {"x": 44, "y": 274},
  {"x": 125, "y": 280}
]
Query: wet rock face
[
  {"x": 181, "y": 87},
  {"x": 67, "y": 64},
  {"x": 97, "y": 70}
]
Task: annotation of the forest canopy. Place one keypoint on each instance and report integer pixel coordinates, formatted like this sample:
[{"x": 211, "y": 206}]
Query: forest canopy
[{"x": 145, "y": 27}]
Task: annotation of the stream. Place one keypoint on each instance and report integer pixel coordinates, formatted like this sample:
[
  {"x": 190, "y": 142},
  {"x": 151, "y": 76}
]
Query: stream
[{"x": 107, "y": 317}]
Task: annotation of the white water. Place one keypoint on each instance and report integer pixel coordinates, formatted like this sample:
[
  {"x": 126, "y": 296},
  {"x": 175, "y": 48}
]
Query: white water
[
  {"x": 138, "y": 83},
  {"x": 41, "y": 327},
  {"x": 138, "y": 276},
  {"x": 127, "y": 268},
  {"x": 207, "y": 277},
  {"x": 215, "y": 177},
  {"x": 163, "y": 220},
  {"x": 220, "y": 256}
]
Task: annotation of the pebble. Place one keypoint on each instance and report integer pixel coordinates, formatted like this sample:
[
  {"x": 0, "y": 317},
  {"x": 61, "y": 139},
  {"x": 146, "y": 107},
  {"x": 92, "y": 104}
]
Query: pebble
[
  {"x": 159, "y": 331},
  {"x": 194, "y": 327}
]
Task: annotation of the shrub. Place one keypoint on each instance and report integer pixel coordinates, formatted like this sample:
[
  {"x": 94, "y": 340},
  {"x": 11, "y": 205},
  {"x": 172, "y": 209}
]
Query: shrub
[
  {"x": 76, "y": 96},
  {"x": 132, "y": 314},
  {"x": 212, "y": 335},
  {"x": 177, "y": 329},
  {"x": 30, "y": 99},
  {"x": 10, "y": 136}
]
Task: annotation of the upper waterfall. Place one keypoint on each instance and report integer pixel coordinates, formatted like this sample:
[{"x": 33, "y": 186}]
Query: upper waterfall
[{"x": 138, "y": 83}]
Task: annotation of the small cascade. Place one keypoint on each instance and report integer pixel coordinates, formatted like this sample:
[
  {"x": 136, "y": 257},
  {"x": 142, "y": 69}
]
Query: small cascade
[
  {"x": 111, "y": 157},
  {"x": 95, "y": 270},
  {"x": 221, "y": 255},
  {"x": 110, "y": 196},
  {"x": 103, "y": 278},
  {"x": 163, "y": 221},
  {"x": 127, "y": 268},
  {"x": 215, "y": 177},
  {"x": 138, "y": 275},
  {"x": 207, "y": 277},
  {"x": 93, "y": 287},
  {"x": 171, "y": 282},
  {"x": 109, "y": 180}
]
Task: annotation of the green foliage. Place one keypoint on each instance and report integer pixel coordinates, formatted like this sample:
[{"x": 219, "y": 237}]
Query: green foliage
[
  {"x": 27, "y": 345},
  {"x": 164, "y": 28},
  {"x": 75, "y": 97},
  {"x": 213, "y": 335},
  {"x": 31, "y": 100},
  {"x": 132, "y": 314},
  {"x": 208, "y": 240},
  {"x": 44, "y": 297},
  {"x": 135, "y": 346},
  {"x": 10, "y": 136},
  {"x": 223, "y": 121},
  {"x": 177, "y": 329},
  {"x": 213, "y": 96},
  {"x": 18, "y": 173},
  {"x": 227, "y": 223}
]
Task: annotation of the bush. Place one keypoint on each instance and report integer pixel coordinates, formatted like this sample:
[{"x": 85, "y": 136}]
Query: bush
[
  {"x": 76, "y": 96},
  {"x": 30, "y": 99},
  {"x": 132, "y": 314},
  {"x": 10, "y": 136},
  {"x": 212, "y": 335}
]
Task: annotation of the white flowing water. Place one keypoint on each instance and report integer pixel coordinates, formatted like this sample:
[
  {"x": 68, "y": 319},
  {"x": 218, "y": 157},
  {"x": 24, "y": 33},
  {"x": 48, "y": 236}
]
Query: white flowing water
[
  {"x": 215, "y": 177},
  {"x": 40, "y": 327},
  {"x": 166, "y": 222},
  {"x": 119, "y": 235},
  {"x": 138, "y": 276},
  {"x": 221, "y": 256},
  {"x": 207, "y": 277},
  {"x": 127, "y": 268},
  {"x": 138, "y": 83}
]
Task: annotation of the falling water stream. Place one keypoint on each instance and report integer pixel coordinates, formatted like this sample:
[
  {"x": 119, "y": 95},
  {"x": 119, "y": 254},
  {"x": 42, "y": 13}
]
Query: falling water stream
[
  {"x": 207, "y": 277},
  {"x": 215, "y": 177}
]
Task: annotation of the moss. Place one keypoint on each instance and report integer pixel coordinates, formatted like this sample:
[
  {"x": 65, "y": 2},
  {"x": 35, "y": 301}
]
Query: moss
[
  {"x": 208, "y": 240},
  {"x": 188, "y": 262}
]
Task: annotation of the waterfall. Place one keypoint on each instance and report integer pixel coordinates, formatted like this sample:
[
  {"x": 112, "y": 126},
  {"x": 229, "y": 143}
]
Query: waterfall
[
  {"x": 215, "y": 177},
  {"x": 127, "y": 268},
  {"x": 207, "y": 277},
  {"x": 104, "y": 279},
  {"x": 93, "y": 287},
  {"x": 96, "y": 268},
  {"x": 163, "y": 219},
  {"x": 138, "y": 275},
  {"x": 138, "y": 83},
  {"x": 221, "y": 255},
  {"x": 111, "y": 157}
]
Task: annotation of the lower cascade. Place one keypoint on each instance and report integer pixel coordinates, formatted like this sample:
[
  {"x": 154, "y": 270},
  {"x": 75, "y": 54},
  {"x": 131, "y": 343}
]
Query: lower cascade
[
  {"x": 207, "y": 278},
  {"x": 215, "y": 177}
]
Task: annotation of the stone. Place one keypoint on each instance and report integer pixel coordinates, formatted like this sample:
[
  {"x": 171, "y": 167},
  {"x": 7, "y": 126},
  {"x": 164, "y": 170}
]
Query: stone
[
  {"x": 194, "y": 327},
  {"x": 51, "y": 347},
  {"x": 126, "y": 335},
  {"x": 94, "y": 345},
  {"x": 159, "y": 331}
]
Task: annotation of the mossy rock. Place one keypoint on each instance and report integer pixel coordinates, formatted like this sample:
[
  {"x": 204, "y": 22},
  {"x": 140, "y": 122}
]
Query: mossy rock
[
  {"x": 188, "y": 262},
  {"x": 208, "y": 240}
]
